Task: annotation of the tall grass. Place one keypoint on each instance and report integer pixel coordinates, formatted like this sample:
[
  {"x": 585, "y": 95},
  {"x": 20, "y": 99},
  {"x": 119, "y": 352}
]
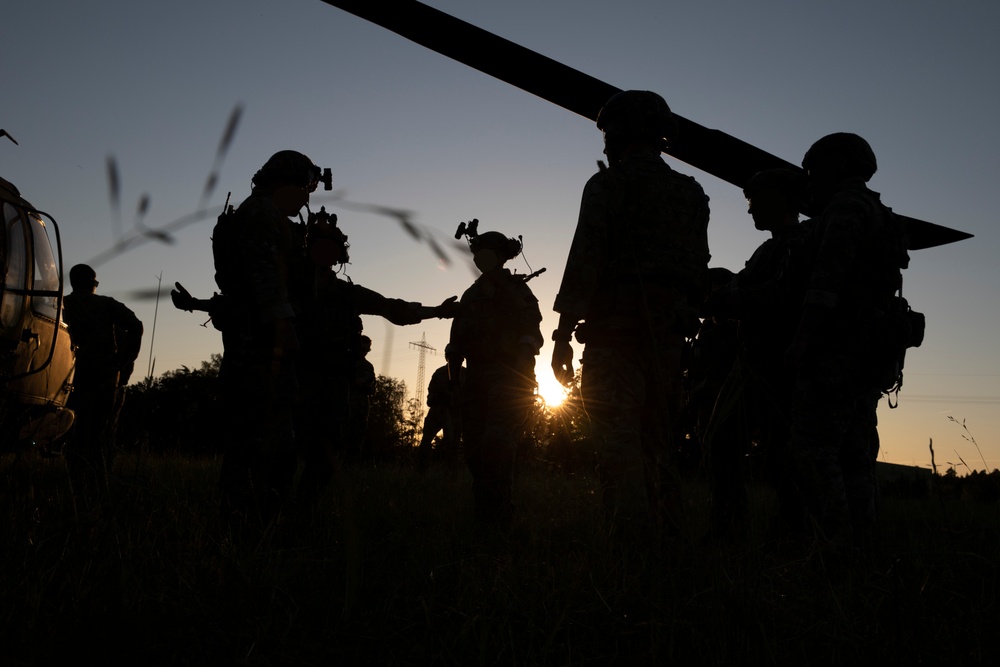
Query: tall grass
[{"x": 396, "y": 571}]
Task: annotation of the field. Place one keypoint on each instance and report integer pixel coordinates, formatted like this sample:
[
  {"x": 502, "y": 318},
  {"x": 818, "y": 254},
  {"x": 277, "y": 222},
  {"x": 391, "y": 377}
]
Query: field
[{"x": 398, "y": 573}]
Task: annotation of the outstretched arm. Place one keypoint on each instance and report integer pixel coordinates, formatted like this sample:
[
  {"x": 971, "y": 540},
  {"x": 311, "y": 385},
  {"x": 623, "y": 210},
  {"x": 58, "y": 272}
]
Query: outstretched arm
[{"x": 397, "y": 311}]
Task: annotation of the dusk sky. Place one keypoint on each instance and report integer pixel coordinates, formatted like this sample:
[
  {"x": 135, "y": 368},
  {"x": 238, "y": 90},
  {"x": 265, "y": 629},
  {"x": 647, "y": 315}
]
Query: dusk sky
[{"x": 153, "y": 84}]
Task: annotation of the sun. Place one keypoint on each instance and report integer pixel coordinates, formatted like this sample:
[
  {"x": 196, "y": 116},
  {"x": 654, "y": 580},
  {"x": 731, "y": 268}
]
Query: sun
[{"x": 551, "y": 391}]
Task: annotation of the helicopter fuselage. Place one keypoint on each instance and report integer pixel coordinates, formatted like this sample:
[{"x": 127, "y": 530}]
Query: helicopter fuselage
[{"x": 36, "y": 356}]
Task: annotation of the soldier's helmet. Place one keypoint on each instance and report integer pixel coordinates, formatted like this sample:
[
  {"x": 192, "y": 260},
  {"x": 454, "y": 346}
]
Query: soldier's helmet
[
  {"x": 638, "y": 114},
  {"x": 505, "y": 248},
  {"x": 848, "y": 152},
  {"x": 288, "y": 168},
  {"x": 327, "y": 245},
  {"x": 792, "y": 184}
]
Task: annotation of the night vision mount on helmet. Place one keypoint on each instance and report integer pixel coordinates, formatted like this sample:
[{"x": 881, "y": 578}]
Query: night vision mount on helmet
[
  {"x": 325, "y": 242},
  {"x": 292, "y": 168},
  {"x": 506, "y": 248}
]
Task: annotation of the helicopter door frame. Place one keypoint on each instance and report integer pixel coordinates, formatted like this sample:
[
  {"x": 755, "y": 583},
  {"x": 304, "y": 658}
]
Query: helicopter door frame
[{"x": 31, "y": 220}]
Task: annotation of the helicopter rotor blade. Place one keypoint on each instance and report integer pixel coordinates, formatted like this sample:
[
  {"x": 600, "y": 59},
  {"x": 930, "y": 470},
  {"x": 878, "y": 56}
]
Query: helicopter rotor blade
[
  {"x": 712, "y": 151},
  {"x": 145, "y": 293}
]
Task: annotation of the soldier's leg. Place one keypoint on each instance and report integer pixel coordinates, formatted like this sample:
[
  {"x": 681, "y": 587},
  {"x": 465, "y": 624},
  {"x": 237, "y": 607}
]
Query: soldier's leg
[
  {"x": 111, "y": 429},
  {"x": 320, "y": 432},
  {"x": 664, "y": 403},
  {"x": 859, "y": 468},
  {"x": 508, "y": 420},
  {"x": 432, "y": 424},
  {"x": 234, "y": 476},
  {"x": 259, "y": 465},
  {"x": 767, "y": 398},
  {"x": 726, "y": 440},
  {"x": 613, "y": 391},
  {"x": 780, "y": 471},
  {"x": 494, "y": 417},
  {"x": 449, "y": 442},
  {"x": 84, "y": 454},
  {"x": 455, "y": 434},
  {"x": 821, "y": 419},
  {"x": 475, "y": 405}
]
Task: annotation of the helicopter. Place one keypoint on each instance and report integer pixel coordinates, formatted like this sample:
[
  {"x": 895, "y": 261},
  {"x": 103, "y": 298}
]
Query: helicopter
[{"x": 36, "y": 358}]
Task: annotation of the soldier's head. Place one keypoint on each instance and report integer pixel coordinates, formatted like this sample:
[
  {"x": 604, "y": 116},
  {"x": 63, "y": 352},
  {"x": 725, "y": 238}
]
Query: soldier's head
[
  {"x": 490, "y": 250},
  {"x": 326, "y": 244},
  {"x": 288, "y": 177},
  {"x": 775, "y": 197},
  {"x": 834, "y": 160},
  {"x": 366, "y": 346},
  {"x": 83, "y": 279},
  {"x": 635, "y": 117}
]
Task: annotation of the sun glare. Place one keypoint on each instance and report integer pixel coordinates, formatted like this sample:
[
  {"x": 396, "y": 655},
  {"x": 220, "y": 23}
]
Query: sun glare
[{"x": 551, "y": 391}]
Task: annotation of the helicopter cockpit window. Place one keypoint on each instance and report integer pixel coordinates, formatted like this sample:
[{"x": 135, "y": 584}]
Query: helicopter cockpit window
[
  {"x": 16, "y": 269},
  {"x": 46, "y": 269}
]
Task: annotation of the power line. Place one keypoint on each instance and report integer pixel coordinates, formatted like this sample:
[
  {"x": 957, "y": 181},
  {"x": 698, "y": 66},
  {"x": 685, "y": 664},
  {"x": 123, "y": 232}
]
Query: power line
[{"x": 931, "y": 398}]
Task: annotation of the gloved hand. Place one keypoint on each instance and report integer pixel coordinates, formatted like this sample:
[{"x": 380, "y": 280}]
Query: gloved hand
[
  {"x": 182, "y": 298},
  {"x": 447, "y": 309},
  {"x": 562, "y": 362}
]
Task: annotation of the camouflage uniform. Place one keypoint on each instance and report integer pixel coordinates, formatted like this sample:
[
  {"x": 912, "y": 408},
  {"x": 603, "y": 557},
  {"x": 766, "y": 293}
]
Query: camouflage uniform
[
  {"x": 637, "y": 262},
  {"x": 856, "y": 253},
  {"x": 498, "y": 320},
  {"x": 106, "y": 337}
]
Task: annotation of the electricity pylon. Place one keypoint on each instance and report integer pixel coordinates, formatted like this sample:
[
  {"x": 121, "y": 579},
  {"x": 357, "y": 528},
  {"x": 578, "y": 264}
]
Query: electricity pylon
[{"x": 424, "y": 348}]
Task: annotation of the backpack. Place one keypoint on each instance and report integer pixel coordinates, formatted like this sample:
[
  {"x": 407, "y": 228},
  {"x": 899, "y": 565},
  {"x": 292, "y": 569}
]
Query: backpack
[
  {"x": 900, "y": 328},
  {"x": 225, "y": 252}
]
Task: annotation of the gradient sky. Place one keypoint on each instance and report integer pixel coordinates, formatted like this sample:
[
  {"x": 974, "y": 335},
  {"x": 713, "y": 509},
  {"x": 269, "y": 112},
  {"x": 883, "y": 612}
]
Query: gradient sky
[{"x": 153, "y": 85}]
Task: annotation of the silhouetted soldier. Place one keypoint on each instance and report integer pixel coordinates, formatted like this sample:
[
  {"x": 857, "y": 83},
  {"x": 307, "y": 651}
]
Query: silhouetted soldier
[
  {"x": 106, "y": 336},
  {"x": 754, "y": 403},
  {"x": 496, "y": 332},
  {"x": 635, "y": 272},
  {"x": 292, "y": 336},
  {"x": 443, "y": 415},
  {"x": 255, "y": 260},
  {"x": 333, "y": 344},
  {"x": 361, "y": 393},
  {"x": 855, "y": 261}
]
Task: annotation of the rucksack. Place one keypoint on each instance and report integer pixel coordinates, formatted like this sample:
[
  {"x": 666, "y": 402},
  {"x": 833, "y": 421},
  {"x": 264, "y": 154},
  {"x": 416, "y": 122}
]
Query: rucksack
[
  {"x": 225, "y": 251},
  {"x": 901, "y": 328}
]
